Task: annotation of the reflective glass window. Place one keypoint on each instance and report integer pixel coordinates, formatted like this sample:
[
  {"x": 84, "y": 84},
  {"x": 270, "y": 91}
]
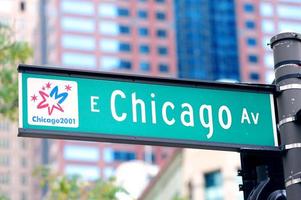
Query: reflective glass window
[
  {"x": 78, "y": 42},
  {"x": 251, "y": 42},
  {"x": 268, "y": 26},
  {"x": 107, "y": 10},
  {"x": 266, "y": 9},
  {"x": 269, "y": 60},
  {"x": 250, "y": 24},
  {"x": 78, "y": 60},
  {"x": 81, "y": 153},
  {"x": 77, "y": 7},
  {"x": 109, "y": 45},
  {"x": 144, "y": 49},
  {"x": 125, "y": 47},
  {"x": 84, "y": 171},
  {"x": 254, "y": 76},
  {"x": 253, "y": 59},
  {"x": 269, "y": 76},
  {"x": 143, "y": 31},
  {"x": 290, "y": 12},
  {"x": 142, "y": 14},
  {"x": 123, "y": 29},
  {"x": 248, "y": 7},
  {"x": 161, "y": 33},
  {"x": 109, "y": 28},
  {"x": 125, "y": 64},
  {"x": 160, "y": 16},
  {"x": 163, "y": 68},
  {"x": 289, "y": 27},
  {"x": 162, "y": 51},
  {"x": 108, "y": 155},
  {"x": 78, "y": 24},
  {"x": 213, "y": 186},
  {"x": 109, "y": 62},
  {"x": 109, "y": 172},
  {"x": 145, "y": 66},
  {"x": 124, "y": 12}
]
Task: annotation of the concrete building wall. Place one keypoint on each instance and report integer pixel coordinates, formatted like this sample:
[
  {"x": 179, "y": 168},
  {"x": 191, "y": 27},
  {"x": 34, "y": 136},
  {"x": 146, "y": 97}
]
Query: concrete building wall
[
  {"x": 187, "y": 176},
  {"x": 19, "y": 156}
]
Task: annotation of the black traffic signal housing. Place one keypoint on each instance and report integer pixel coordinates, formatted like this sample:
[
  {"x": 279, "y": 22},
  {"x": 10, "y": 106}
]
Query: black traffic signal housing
[{"x": 262, "y": 175}]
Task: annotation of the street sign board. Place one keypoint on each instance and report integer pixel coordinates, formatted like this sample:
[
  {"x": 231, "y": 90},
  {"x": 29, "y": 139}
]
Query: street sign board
[{"x": 70, "y": 104}]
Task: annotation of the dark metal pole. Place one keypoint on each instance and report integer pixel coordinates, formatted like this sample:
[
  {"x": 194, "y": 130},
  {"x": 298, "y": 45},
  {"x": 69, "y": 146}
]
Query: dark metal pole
[{"x": 287, "y": 60}]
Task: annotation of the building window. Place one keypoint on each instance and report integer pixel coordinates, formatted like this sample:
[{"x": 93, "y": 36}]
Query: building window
[
  {"x": 149, "y": 157},
  {"x": 81, "y": 153},
  {"x": 289, "y": 12},
  {"x": 4, "y": 126},
  {"x": 23, "y": 179},
  {"x": 266, "y": 9},
  {"x": 125, "y": 64},
  {"x": 107, "y": 10},
  {"x": 108, "y": 155},
  {"x": 143, "y": 31},
  {"x": 248, "y": 7},
  {"x": 22, "y": 6},
  {"x": 142, "y": 14},
  {"x": 23, "y": 144},
  {"x": 253, "y": 59},
  {"x": 123, "y": 12},
  {"x": 124, "y": 155},
  {"x": 77, "y": 7},
  {"x": 78, "y": 42},
  {"x": 161, "y": 33},
  {"x": 163, "y": 68},
  {"x": 251, "y": 42},
  {"x": 23, "y": 162},
  {"x": 4, "y": 178},
  {"x": 162, "y": 51},
  {"x": 108, "y": 28},
  {"x": 79, "y": 60},
  {"x": 4, "y": 160},
  {"x": 109, "y": 45},
  {"x": 23, "y": 196},
  {"x": 124, "y": 29},
  {"x": 144, "y": 49},
  {"x": 144, "y": 66},
  {"x": 85, "y": 171},
  {"x": 124, "y": 47},
  {"x": 250, "y": 24},
  {"x": 109, "y": 62},
  {"x": 160, "y": 16},
  {"x": 213, "y": 186},
  {"x": 4, "y": 143},
  {"x": 268, "y": 26},
  {"x": 254, "y": 76},
  {"x": 78, "y": 24},
  {"x": 285, "y": 26},
  {"x": 108, "y": 172}
]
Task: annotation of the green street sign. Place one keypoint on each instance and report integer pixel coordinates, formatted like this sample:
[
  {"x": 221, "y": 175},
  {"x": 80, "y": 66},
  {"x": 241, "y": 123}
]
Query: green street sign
[{"x": 69, "y": 104}]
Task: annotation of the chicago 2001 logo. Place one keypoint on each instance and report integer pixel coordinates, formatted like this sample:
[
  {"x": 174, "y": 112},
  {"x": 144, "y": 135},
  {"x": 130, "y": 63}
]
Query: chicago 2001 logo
[{"x": 52, "y": 102}]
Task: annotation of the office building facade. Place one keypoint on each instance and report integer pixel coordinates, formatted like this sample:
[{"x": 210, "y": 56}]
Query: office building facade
[
  {"x": 229, "y": 39},
  {"x": 258, "y": 21},
  {"x": 121, "y": 36},
  {"x": 18, "y": 156},
  {"x": 207, "y": 47}
]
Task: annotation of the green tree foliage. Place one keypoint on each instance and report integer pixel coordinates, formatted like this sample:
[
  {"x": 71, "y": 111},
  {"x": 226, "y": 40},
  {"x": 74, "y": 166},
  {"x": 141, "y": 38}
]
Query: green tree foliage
[
  {"x": 73, "y": 188},
  {"x": 2, "y": 197},
  {"x": 12, "y": 53}
]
